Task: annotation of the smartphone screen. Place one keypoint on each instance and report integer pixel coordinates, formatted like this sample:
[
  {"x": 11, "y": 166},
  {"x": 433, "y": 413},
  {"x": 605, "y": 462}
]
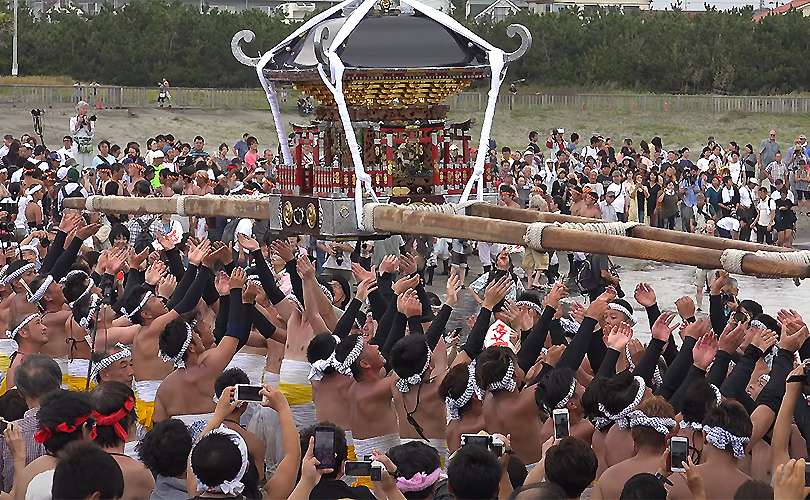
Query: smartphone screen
[
  {"x": 678, "y": 451},
  {"x": 325, "y": 447},
  {"x": 561, "y": 427},
  {"x": 358, "y": 469},
  {"x": 248, "y": 393},
  {"x": 477, "y": 440},
  {"x": 807, "y": 474}
]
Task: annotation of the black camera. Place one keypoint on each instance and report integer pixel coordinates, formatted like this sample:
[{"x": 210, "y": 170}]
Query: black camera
[
  {"x": 37, "y": 112},
  {"x": 93, "y": 118}
]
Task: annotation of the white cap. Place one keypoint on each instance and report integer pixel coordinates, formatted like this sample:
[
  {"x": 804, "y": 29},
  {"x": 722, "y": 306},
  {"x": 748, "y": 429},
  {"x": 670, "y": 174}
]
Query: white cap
[
  {"x": 158, "y": 154},
  {"x": 61, "y": 173}
]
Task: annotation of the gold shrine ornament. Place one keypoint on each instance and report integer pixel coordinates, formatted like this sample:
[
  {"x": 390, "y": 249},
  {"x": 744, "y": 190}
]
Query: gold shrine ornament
[{"x": 288, "y": 213}]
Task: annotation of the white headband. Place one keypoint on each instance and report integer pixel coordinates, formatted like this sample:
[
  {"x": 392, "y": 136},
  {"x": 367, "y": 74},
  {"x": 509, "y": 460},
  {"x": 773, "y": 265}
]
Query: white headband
[
  {"x": 564, "y": 401},
  {"x": 71, "y": 274},
  {"x": 177, "y": 360},
  {"x": 404, "y": 384},
  {"x": 721, "y": 438},
  {"x": 3, "y": 271},
  {"x": 345, "y": 368},
  {"x": 758, "y": 324},
  {"x": 508, "y": 382},
  {"x": 33, "y": 189},
  {"x": 19, "y": 272},
  {"x": 531, "y": 305},
  {"x": 640, "y": 419},
  {"x": 621, "y": 417},
  {"x": 234, "y": 486},
  {"x": 37, "y": 295},
  {"x": 656, "y": 380},
  {"x": 105, "y": 363},
  {"x": 683, "y": 424},
  {"x": 129, "y": 315},
  {"x": 83, "y": 295},
  {"x": 623, "y": 310},
  {"x": 94, "y": 302},
  {"x": 13, "y": 333},
  {"x": 454, "y": 405},
  {"x": 326, "y": 291}
]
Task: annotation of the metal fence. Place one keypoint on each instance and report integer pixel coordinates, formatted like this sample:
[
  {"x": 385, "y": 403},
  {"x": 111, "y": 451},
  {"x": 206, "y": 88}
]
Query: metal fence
[{"x": 209, "y": 98}]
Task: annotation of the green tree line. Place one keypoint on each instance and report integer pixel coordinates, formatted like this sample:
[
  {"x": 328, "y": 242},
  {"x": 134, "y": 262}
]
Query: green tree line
[{"x": 658, "y": 51}]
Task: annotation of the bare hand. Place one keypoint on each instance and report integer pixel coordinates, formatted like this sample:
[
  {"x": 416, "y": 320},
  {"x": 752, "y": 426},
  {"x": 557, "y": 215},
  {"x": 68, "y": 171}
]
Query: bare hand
[
  {"x": 704, "y": 351},
  {"x": 719, "y": 282},
  {"x": 361, "y": 273},
  {"x": 305, "y": 268},
  {"x": 365, "y": 287},
  {"x": 788, "y": 480},
  {"x": 155, "y": 272},
  {"x": 405, "y": 283},
  {"x": 198, "y": 252},
  {"x": 496, "y": 291},
  {"x": 645, "y": 295},
  {"x": 557, "y": 293},
  {"x": 310, "y": 473},
  {"x": 15, "y": 442},
  {"x": 618, "y": 337},
  {"x": 283, "y": 249},
  {"x": 731, "y": 338},
  {"x": 762, "y": 339},
  {"x": 87, "y": 231},
  {"x": 273, "y": 398},
  {"x": 167, "y": 285},
  {"x": 407, "y": 264},
  {"x": 686, "y": 307},
  {"x": 577, "y": 312},
  {"x": 165, "y": 241},
  {"x": 697, "y": 329},
  {"x": 389, "y": 264},
  {"x": 246, "y": 242},
  {"x": 663, "y": 327},
  {"x": 453, "y": 289},
  {"x": 238, "y": 278},
  {"x": 793, "y": 336},
  {"x": 408, "y": 304}
]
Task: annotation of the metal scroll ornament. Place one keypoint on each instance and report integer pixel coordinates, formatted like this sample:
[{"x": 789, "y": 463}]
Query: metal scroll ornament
[{"x": 312, "y": 216}]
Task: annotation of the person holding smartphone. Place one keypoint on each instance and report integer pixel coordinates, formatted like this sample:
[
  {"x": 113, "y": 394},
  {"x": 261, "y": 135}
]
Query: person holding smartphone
[{"x": 650, "y": 426}]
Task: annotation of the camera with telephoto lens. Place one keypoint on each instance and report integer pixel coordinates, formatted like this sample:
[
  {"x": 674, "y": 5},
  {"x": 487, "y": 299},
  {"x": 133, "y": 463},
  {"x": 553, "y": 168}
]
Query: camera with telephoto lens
[
  {"x": 93, "y": 118},
  {"x": 37, "y": 112}
]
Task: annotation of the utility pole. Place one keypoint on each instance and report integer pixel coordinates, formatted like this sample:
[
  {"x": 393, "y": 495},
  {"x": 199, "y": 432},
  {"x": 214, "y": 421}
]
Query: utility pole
[{"x": 14, "y": 68}]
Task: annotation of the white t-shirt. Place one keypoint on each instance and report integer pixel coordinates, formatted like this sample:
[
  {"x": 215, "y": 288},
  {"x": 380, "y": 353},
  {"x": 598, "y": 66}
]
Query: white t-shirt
[
  {"x": 596, "y": 187},
  {"x": 776, "y": 195},
  {"x": 764, "y": 209},
  {"x": 703, "y": 164},
  {"x": 729, "y": 224},
  {"x": 735, "y": 169},
  {"x": 618, "y": 203},
  {"x": 64, "y": 154},
  {"x": 346, "y": 263},
  {"x": 746, "y": 196}
]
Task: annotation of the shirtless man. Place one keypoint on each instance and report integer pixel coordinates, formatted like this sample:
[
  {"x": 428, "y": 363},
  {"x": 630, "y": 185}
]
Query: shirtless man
[
  {"x": 650, "y": 426},
  {"x": 223, "y": 388},
  {"x": 17, "y": 303},
  {"x": 420, "y": 363},
  {"x": 557, "y": 390},
  {"x": 31, "y": 336},
  {"x": 723, "y": 448},
  {"x": 591, "y": 208},
  {"x": 114, "y": 421},
  {"x": 577, "y": 201},
  {"x": 47, "y": 294},
  {"x": 374, "y": 421},
  {"x": 187, "y": 392},
  {"x": 113, "y": 365},
  {"x": 144, "y": 308}
]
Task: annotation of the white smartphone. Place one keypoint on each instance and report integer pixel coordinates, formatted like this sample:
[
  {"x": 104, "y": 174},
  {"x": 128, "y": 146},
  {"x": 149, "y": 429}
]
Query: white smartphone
[
  {"x": 244, "y": 392},
  {"x": 561, "y": 423},
  {"x": 678, "y": 453}
]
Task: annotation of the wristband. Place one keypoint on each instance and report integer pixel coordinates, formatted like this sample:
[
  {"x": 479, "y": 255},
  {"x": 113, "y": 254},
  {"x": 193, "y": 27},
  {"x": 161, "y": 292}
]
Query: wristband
[{"x": 797, "y": 378}]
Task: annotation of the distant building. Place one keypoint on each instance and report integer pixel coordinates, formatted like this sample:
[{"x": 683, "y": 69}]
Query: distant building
[
  {"x": 494, "y": 11},
  {"x": 541, "y": 7},
  {"x": 802, "y": 6}
]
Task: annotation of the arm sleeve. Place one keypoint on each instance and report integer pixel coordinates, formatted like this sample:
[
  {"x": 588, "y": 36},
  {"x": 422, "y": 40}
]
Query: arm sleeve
[
  {"x": 596, "y": 351},
  {"x": 608, "y": 366},
  {"x": 575, "y": 352},
  {"x": 384, "y": 283},
  {"x": 108, "y": 290},
  {"x": 175, "y": 263},
  {"x": 531, "y": 348},
  {"x": 396, "y": 332},
  {"x": 265, "y": 328},
  {"x": 773, "y": 392},
  {"x": 693, "y": 375},
  {"x": 678, "y": 370},
  {"x": 55, "y": 249},
  {"x": 734, "y": 385},
  {"x": 68, "y": 257},
  {"x": 194, "y": 292},
  {"x": 646, "y": 367},
  {"x": 804, "y": 350},
  {"x": 222, "y": 317},
  {"x": 557, "y": 333},
  {"x": 415, "y": 326},
  {"x": 238, "y": 321},
  {"x": 716, "y": 314},
  {"x": 344, "y": 324},
  {"x": 475, "y": 340},
  {"x": 384, "y": 325},
  {"x": 719, "y": 369},
  {"x": 377, "y": 304},
  {"x": 438, "y": 325},
  {"x": 266, "y": 277},
  {"x": 182, "y": 286}
]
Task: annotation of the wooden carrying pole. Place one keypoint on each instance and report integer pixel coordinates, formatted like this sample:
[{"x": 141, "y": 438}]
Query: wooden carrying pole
[
  {"x": 642, "y": 231},
  {"x": 401, "y": 220}
]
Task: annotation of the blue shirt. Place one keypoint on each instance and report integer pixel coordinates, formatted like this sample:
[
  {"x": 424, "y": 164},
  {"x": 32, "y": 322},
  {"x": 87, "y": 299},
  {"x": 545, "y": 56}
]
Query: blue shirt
[
  {"x": 690, "y": 194},
  {"x": 241, "y": 148}
]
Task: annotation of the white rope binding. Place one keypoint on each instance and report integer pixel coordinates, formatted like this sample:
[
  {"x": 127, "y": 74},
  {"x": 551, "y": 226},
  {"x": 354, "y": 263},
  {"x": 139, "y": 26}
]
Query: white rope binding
[
  {"x": 731, "y": 260},
  {"x": 88, "y": 203},
  {"x": 444, "y": 208},
  {"x": 181, "y": 204}
]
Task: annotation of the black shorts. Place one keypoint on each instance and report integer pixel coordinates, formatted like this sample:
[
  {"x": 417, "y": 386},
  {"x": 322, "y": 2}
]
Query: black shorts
[
  {"x": 802, "y": 195},
  {"x": 458, "y": 259}
]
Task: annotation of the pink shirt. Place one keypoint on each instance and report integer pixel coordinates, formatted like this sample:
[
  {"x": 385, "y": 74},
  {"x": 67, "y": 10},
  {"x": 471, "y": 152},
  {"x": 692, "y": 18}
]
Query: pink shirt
[{"x": 250, "y": 159}]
